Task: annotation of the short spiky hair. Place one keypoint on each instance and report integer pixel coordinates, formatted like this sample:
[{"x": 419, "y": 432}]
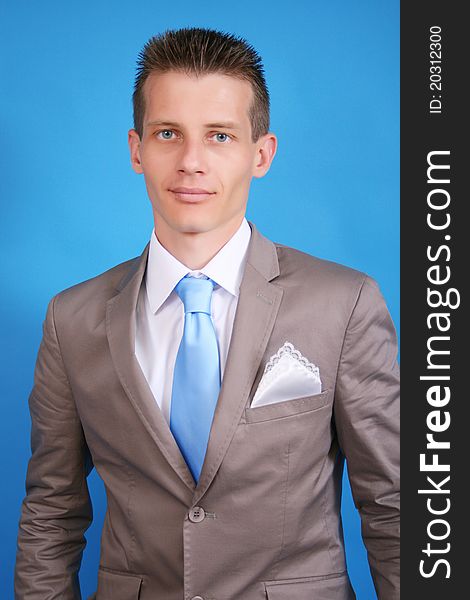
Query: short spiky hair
[{"x": 198, "y": 51}]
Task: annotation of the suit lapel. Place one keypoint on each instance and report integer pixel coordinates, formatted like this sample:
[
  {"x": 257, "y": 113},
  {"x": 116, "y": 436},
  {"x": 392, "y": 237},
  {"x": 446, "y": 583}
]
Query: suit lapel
[
  {"x": 258, "y": 304},
  {"x": 120, "y": 329}
]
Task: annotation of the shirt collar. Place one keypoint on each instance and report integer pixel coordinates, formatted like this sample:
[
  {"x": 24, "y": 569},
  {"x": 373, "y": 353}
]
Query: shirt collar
[{"x": 225, "y": 268}]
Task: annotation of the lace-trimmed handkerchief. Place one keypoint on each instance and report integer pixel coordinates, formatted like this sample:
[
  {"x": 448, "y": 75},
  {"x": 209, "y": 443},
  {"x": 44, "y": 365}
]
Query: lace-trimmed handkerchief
[{"x": 287, "y": 375}]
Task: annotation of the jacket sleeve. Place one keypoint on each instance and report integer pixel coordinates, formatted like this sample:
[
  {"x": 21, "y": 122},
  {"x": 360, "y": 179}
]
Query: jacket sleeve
[
  {"x": 56, "y": 510},
  {"x": 367, "y": 422}
]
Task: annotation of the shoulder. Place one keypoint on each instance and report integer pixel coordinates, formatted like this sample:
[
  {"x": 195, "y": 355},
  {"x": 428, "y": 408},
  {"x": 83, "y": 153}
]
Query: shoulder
[
  {"x": 306, "y": 269},
  {"x": 330, "y": 287},
  {"x": 95, "y": 292}
]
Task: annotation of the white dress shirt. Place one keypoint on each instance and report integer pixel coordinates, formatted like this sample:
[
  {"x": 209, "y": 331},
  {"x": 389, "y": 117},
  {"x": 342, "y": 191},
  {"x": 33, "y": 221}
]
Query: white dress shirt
[{"x": 160, "y": 312}]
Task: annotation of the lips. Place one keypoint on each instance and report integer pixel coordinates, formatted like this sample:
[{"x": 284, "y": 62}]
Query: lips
[
  {"x": 188, "y": 190},
  {"x": 191, "y": 194}
]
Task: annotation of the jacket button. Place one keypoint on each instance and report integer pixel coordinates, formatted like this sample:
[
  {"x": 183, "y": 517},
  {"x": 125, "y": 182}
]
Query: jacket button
[
  {"x": 196, "y": 515},
  {"x": 197, "y": 598}
]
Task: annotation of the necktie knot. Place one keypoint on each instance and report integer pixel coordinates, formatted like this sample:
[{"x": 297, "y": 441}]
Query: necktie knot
[{"x": 195, "y": 293}]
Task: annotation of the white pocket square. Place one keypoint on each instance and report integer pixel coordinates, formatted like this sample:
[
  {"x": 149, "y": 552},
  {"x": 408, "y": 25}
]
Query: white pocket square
[{"x": 287, "y": 375}]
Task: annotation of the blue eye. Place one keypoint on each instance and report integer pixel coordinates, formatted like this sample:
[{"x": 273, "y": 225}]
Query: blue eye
[
  {"x": 221, "y": 137},
  {"x": 166, "y": 134}
]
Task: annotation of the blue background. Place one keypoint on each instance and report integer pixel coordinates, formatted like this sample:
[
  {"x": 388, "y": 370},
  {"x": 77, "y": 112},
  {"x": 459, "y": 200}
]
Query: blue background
[{"x": 71, "y": 207}]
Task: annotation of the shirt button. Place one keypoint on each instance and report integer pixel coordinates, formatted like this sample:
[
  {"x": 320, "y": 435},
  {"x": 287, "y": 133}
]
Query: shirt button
[
  {"x": 197, "y": 598},
  {"x": 196, "y": 515}
]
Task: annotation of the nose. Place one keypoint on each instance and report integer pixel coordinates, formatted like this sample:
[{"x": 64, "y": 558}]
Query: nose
[{"x": 192, "y": 157}]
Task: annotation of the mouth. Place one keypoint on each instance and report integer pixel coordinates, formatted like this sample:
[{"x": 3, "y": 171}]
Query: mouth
[{"x": 191, "y": 195}]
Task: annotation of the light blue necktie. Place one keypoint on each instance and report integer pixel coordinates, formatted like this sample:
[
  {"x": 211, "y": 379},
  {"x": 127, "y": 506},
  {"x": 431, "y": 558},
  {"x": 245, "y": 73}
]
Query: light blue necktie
[{"x": 196, "y": 378}]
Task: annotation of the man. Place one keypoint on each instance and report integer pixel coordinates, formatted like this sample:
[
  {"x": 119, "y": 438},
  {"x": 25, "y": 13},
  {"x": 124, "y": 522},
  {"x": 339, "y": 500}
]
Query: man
[{"x": 216, "y": 382}]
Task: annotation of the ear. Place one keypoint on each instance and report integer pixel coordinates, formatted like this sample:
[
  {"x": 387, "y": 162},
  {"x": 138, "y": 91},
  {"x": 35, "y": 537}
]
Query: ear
[
  {"x": 266, "y": 148},
  {"x": 133, "y": 140}
]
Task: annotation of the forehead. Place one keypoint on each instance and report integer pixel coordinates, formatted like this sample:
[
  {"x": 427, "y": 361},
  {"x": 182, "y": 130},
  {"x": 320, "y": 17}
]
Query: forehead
[{"x": 212, "y": 96}]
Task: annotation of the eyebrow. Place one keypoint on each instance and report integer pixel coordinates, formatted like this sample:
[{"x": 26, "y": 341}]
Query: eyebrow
[{"x": 220, "y": 124}]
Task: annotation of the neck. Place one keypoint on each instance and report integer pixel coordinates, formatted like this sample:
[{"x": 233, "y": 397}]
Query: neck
[{"x": 195, "y": 249}]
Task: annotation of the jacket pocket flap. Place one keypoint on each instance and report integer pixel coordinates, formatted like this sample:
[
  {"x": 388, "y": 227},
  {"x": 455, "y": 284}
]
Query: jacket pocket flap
[
  {"x": 115, "y": 585},
  {"x": 287, "y": 408},
  {"x": 326, "y": 587}
]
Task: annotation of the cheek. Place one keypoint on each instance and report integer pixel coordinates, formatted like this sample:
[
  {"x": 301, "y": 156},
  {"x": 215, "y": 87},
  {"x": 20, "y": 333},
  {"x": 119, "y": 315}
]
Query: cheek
[
  {"x": 237, "y": 171},
  {"x": 155, "y": 169}
]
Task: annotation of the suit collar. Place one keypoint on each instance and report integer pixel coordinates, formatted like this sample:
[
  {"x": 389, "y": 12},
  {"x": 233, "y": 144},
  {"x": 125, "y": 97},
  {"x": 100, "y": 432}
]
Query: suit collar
[{"x": 262, "y": 255}]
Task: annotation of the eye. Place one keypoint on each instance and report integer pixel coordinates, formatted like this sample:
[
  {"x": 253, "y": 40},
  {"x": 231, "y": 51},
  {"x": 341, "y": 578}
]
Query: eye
[
  {"x": 222, "y": 137},
  {"x": 165, "y": 134}
]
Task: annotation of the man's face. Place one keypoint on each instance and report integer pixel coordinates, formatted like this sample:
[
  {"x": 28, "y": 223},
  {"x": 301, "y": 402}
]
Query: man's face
[{"x": 196, "y": 151}]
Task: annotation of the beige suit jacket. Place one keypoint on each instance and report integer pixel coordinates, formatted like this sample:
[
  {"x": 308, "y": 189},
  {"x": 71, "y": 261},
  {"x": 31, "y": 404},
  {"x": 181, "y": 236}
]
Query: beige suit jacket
[{"x": 264, "y": 522}]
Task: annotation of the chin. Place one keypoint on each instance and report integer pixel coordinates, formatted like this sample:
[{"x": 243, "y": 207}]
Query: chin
[
  {"x": 192, "y": 221},
  {"x": 190, "y": 224}
]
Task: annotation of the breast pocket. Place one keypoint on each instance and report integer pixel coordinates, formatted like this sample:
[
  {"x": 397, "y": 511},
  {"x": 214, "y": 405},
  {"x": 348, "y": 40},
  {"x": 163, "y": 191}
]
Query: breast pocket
[{"x": 288, "y": 408}]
